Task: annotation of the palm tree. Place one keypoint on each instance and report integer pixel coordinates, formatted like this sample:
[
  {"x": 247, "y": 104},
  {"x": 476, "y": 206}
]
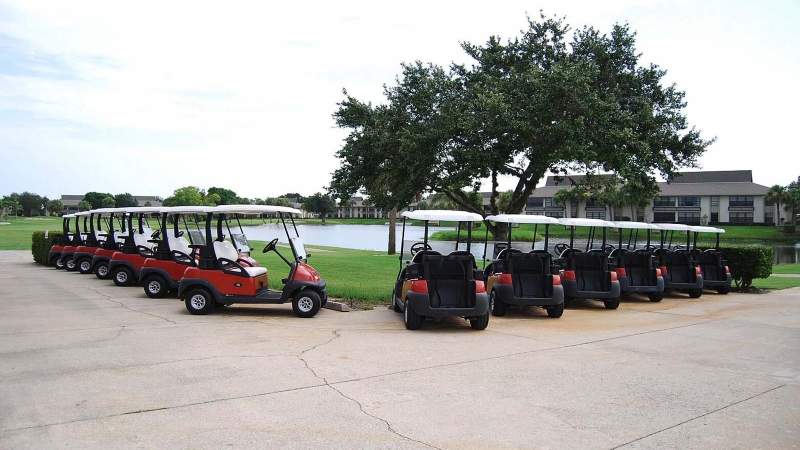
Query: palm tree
[{"x": 777, "y": 194}]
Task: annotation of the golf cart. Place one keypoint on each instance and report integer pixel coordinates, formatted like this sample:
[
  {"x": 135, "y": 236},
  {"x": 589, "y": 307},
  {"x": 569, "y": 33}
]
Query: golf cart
[
  {"x": 636, "y": 267},
  {"x": 223, "y": 277},
  {"x": 523, "y": 279},
  {"x": 173, "y": 252},
  {"x": 67, "y": 259},
  {"x": 713, "y": 266},
  {"x": 54, "y": 255},
  {"x": 111, "y": 242},
  {"x": 137, "y": 246},
  {"x": 588, "y": 273},
  {"x": 94, "y": 237},
  {"x": 677, "y": 263},
  {"x": 435, "y": 285}
]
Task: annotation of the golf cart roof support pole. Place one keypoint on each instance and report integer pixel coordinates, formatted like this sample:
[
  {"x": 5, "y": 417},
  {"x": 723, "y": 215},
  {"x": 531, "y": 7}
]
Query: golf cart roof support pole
[
  {"x": 402, "y": 242},
  {"x": 469, "y": 235},
  {"x": 620, "y": 238},
  {"x": 590, "y": 239},
  {"x": 648, "y": 238},
  {"x": 186, "y": 227},
  {"x": 546, "y": 235},
  {"x": 206, "y": 254},
  {"x": 485, "y": 243},
  {"x": 509, "y": 239},
  {"x": 286, "y": 229},
  {"x": 458, "y": 234},
  {"x": 239, "y": 223},
  {"x": 571, "y": 236},
  {"x": 77, "y": 236},
  {"x": 140, "y": 223},
  {"x": 604, "y": 238},
  {"x": 671, "y": 233},
  {"x": 694, "y": 245},
  {"x": 717, "y": 246},
  {"x": 230, "y": 233},
  {"x": 533, "y": 243},
  {"x": 688, "y": 240},
  {"x": 294, "y": 225},
  {"x": 425, "y": 237}
]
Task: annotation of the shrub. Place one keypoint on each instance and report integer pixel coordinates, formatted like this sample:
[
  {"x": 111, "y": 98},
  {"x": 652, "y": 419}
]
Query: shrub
[
  {"x": 748, "y": 262},
  {"x": 41, "y": 241}
]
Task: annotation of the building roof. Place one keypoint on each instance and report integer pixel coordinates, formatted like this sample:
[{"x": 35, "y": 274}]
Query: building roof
[
  {"x": 714, "y": 176},
  {"x": 670, "y": 189}
]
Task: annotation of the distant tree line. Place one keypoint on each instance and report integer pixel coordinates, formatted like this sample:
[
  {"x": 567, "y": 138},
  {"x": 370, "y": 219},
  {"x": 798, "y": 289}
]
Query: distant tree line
[{"x": 786, "y": 197}]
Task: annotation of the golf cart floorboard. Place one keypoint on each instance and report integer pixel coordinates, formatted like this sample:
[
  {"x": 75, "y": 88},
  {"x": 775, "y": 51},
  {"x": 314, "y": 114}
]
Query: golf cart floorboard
[{"x": 263, "y": 296}]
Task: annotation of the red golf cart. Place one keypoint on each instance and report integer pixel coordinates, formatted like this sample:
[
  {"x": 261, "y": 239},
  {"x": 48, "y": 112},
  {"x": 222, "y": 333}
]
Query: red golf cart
[
  {"x": 112, "y": 241},
  {"x": 713, "y": 266},
  {"x": 173, "y": 252},
  {"x": 54, "y": 255},
  {"x": 94, "y": 238},
  {"x": 637, "y": 267},
  {"x": 678, "y": 264},
  {"x": 223, "y": 276},
  {"x": 67, "y": 260},
  {"x": 432, "y": 285},
  {"x": 137, "y": 246}
]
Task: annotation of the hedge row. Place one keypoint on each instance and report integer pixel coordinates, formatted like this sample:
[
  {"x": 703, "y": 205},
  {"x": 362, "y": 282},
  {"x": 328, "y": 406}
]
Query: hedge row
[
  {"x": 41, "y": 241},
  {"x": 748, "y": 262}
]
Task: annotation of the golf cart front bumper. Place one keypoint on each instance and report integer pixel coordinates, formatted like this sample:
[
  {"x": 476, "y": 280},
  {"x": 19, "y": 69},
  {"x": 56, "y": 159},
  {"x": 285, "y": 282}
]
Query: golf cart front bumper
[
  {"x": 505, "y": 293},
  {"x": 420, "y": 303}
]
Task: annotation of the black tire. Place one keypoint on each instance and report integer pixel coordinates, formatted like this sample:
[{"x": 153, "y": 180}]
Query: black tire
[
  {"x": 656, "y": 297},
  {"x": 155, "y": 286},
  {"x": 395, "y": 306},
  {"x": 101, "y": 270},
  {"x": 70, "y": 265},
  {"x": 480, "y": 322},
  {"x": 724, "y": 290},
  {"x": 306, "y": 303},
  {"x": 60, "y": 263},
  {"x": 411, "y": 319},
  {"x": 53, "y": 260},
  {"x": 85, "y": 266},
  {"x": 555, "y": 311},
  {"x": 497, "y": 306},
  {"x": 199, "y": 301},
  {"x": 612, "y": 303},
  {"x": 122, "y": 276},
  {"x": 695, "y": 293}
]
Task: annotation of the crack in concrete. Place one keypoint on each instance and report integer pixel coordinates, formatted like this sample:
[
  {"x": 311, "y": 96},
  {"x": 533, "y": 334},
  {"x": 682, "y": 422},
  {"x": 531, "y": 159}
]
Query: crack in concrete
[
  {"x": 123, "y": 305},
  {"x": 120, "y": 329},
  {"x": 361, "y": 408},
  {"x": 699, "y": 416}
]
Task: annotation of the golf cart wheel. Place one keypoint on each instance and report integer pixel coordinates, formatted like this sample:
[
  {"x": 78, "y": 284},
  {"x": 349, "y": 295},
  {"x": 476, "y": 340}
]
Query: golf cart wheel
[
  {"x": 611, "y": 303},
  {"x": 306, "y": 303},
  {"x": 199, "y": 301},
  {"x": 70, "y": 265},
  {"x": 54, "y": 261},
  {"x": 695, "y": 293},
  {"x": 656, "y": 297},
  {"x": 480, "y": 322},
  {"x": 85, "y": 266},
  {"x": 724, "y": 290},
  {"x": 411, "y": 319},
  {"x": 555, "y": 311},
  {"x": 60, "y": 263},
  {"x": 101, "y": 270},
  {"x": 122, "y": 276},
  {"x": 497, "y": 306},
  {"x": 155, "y": 286}
]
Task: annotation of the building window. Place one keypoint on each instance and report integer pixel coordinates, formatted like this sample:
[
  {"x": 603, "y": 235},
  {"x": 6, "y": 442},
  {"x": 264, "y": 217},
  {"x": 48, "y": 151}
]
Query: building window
[
  {"x": 592, "y": 203},
  {"x": 769, "y": 216},
  {"x": 663, "y": 217},
  {"x": 689, "y": 217},
  {"x": 715, "y": 200},
  {"x": 548, "y": 202},
  {"x": 596, "y": 214},
  {"x": 741, "y": 200},
  {"x": 535, "y": 202},
  {"x": 664, "y": 201},
  {"x": 741, "y": 217},
  {"x": 556, "y": 214},
  {"x": 692, "y": 201},
  {"x": 715, "y": 217}
]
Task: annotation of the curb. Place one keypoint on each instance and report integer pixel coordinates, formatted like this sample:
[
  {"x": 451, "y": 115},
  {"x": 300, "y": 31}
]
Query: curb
[{"x": 337, "y": 306}]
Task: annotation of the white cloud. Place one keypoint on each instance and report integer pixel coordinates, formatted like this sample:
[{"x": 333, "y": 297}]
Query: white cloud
[{"x": 240, "y": 94}]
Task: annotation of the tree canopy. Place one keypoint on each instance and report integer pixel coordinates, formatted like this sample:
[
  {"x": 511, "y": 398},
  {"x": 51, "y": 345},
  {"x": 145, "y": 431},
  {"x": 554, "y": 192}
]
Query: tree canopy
[
  {"x": 191, "y": 196},
  {"x": 226, "y": 196},
  {"x": 546, "y": 100},
  {"x": 95, "y": 199},
  {"x": 125, "y": 200},
  {"x": 320, "y": 204}
]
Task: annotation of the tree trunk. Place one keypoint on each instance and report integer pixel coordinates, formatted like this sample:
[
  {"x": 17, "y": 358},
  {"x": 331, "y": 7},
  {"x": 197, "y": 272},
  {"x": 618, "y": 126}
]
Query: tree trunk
[
  {"x": 322, "y": 216},
  {"x": 392, "y": 231}
]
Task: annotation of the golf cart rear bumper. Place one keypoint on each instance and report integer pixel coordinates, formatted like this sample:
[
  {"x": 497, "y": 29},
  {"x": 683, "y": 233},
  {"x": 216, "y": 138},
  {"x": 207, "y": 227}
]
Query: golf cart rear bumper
[
  {"x": 421, "y": 304},
  {"x": 658, "y": 287},
  {"x": 571, "y": 290},
  {"x": 714, "y": 284},
  {"x": 698, "y": 284},
  {"x": 505, "y": 293}
]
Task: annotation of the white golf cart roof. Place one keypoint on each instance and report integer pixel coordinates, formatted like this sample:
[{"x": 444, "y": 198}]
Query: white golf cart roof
[
  {"x": 140, "y": 209},
  {"x": 523, "y": 218},
  {"x": 186, "y": 209},
  {"x": 578, "y": 222},
  {"x": 107, "y": 210},
  {"x": 68, "y": 216},
  {"x": 674, "y": 227},
  {"x": 442, "y": 214},
  {"x": 83, "y": 213},
  {"x": 254, "y": 209},
  {"x": 698, "y": 229},
  {"x": 636, "y": 225}
]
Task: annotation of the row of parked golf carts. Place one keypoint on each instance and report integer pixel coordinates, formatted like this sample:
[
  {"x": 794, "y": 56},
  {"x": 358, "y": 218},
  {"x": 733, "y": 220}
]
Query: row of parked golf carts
[{"x": 201, "y": 254}]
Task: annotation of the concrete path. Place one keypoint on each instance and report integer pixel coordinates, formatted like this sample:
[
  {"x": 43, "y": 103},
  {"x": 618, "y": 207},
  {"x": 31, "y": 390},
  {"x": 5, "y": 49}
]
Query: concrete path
[{"x": 84, "y": 364}]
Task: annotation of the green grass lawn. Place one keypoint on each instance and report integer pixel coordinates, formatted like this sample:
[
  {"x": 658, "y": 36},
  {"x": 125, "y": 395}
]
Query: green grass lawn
[
  {"x": 17, "y": 234},
  {"x": 776, "y": 282},
  {"x": 361, "y": 275},
  {"x": 786, "y": 268}
]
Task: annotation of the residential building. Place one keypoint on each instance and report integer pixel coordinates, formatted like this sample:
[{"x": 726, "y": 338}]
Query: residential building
[
  {"x": 71, "y": 201},
  {"x": 703, "y": 197}
]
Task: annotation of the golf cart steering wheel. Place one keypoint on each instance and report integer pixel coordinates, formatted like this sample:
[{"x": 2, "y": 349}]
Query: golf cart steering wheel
[
  {"x": 418, "y": 247},
  {"x": 559, "y": 248},
  {"x": 155, "y": 234},
  {"x": 270, "y": 245}
]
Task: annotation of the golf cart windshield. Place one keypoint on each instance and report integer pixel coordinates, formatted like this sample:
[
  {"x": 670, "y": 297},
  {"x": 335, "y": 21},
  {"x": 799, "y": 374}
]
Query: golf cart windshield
[
  {"x": 240, "y": 242},
  {"x": 299, "y": 247}
]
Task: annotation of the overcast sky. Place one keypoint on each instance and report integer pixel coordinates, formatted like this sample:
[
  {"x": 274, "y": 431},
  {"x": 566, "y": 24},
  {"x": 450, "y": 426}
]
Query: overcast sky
[{"x": 147, "y": 96}]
